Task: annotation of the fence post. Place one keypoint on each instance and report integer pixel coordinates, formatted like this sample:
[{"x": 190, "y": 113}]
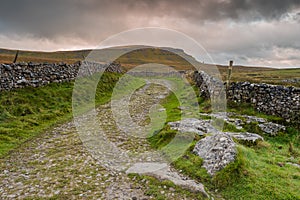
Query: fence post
[
  {"x": 16, "y": 56},
  {"x": 229, "y": 72}
]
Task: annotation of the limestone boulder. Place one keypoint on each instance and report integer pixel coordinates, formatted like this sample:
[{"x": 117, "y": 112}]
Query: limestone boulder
[{"x": 217, "y": 151}]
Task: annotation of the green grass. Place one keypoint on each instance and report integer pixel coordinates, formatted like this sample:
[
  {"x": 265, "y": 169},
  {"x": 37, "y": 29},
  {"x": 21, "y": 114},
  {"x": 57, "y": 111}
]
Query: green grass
[
  {"x": 164, "y": 137},
  {"x": 191, "y": 165},
  {"x": 263, "y": 177},
  {"x": 27, "y": 112},
  {"x": 171, "y": 104},
  {"x": 185, "y": 95},
  {"x": 230, "y": 128}
]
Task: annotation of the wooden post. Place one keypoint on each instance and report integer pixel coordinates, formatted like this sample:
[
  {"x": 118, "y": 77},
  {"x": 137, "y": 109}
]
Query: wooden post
[
  {"x": 229, "y": 73},
  {"x": 16, "y": 57}
]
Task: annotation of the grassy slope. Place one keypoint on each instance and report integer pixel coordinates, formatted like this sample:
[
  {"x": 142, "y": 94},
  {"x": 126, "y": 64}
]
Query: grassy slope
[
  {"x": 27, "y": 112},
  {"x": 264, "y": 75},
  {"x": 256, "y": 174},
  {"x": 129, "y": 60},
  {"x": 7, "y": 56}
]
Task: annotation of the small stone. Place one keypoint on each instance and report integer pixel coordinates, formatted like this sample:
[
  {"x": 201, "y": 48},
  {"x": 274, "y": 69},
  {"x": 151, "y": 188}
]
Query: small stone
[
  {"x": 280, "y": 164},
  {"x": 294, "y": 164},
  {"x": 7, "y": 67}
]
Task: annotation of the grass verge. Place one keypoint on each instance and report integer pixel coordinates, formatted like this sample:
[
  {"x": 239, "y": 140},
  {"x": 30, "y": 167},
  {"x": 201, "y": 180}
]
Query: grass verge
[{"x": 27, "y": 112}]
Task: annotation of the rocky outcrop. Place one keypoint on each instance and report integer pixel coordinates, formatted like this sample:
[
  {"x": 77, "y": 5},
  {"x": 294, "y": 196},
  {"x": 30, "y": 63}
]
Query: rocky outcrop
[
  {"x": 19, "y": 75},
  {"x": 217, "y": 151}
]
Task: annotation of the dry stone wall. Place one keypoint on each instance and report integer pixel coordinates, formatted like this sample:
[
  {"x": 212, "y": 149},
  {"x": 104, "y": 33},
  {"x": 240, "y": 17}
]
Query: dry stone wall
[
  {"x": 270, "y": 99},
  {"x": 19, "y": 75}
]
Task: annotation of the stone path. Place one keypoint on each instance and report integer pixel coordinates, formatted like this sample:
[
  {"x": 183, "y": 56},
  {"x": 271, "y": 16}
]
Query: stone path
[{"x": 57, "y": 164}]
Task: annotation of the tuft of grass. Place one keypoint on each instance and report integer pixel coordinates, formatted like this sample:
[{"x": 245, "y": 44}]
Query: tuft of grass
[
  {"x": 191, "y": 165},
  {"x": 161, "y": 139},
  {"x": 228, "y": 127},
  {"x": 253, "y": 127},
  {"x": 171, "y": 104}
]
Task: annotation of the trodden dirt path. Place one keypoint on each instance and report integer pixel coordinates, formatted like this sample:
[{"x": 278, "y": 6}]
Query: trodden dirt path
[{"x": 57, "y": 165}]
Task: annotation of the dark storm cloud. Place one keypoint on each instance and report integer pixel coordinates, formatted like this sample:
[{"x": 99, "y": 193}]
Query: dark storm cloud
[
  {"x": 44, "y": 18},
  {"x": 241, "y": 28}
]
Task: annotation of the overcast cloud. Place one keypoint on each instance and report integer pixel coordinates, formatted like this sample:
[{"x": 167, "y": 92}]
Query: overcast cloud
[{"x": 252, "y": 32}]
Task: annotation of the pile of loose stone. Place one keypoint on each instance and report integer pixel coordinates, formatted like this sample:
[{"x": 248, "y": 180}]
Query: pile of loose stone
[{"x": 218, "y": 148}]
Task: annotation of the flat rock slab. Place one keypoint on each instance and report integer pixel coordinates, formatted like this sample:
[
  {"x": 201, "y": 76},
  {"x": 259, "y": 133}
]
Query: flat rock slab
[
  {"x": 162, "y": 171},
  {"x": 193, "y": 125},
  {"x": 247, "y": 138},
  {"x": 142, "y": 168},
  {"x": 271, "y": 128},
  {"x": 250, "y": 119}
]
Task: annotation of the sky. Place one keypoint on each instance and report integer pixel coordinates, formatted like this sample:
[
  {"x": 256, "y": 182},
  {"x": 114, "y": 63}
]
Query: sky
[{"x": 250, "y": 32}]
